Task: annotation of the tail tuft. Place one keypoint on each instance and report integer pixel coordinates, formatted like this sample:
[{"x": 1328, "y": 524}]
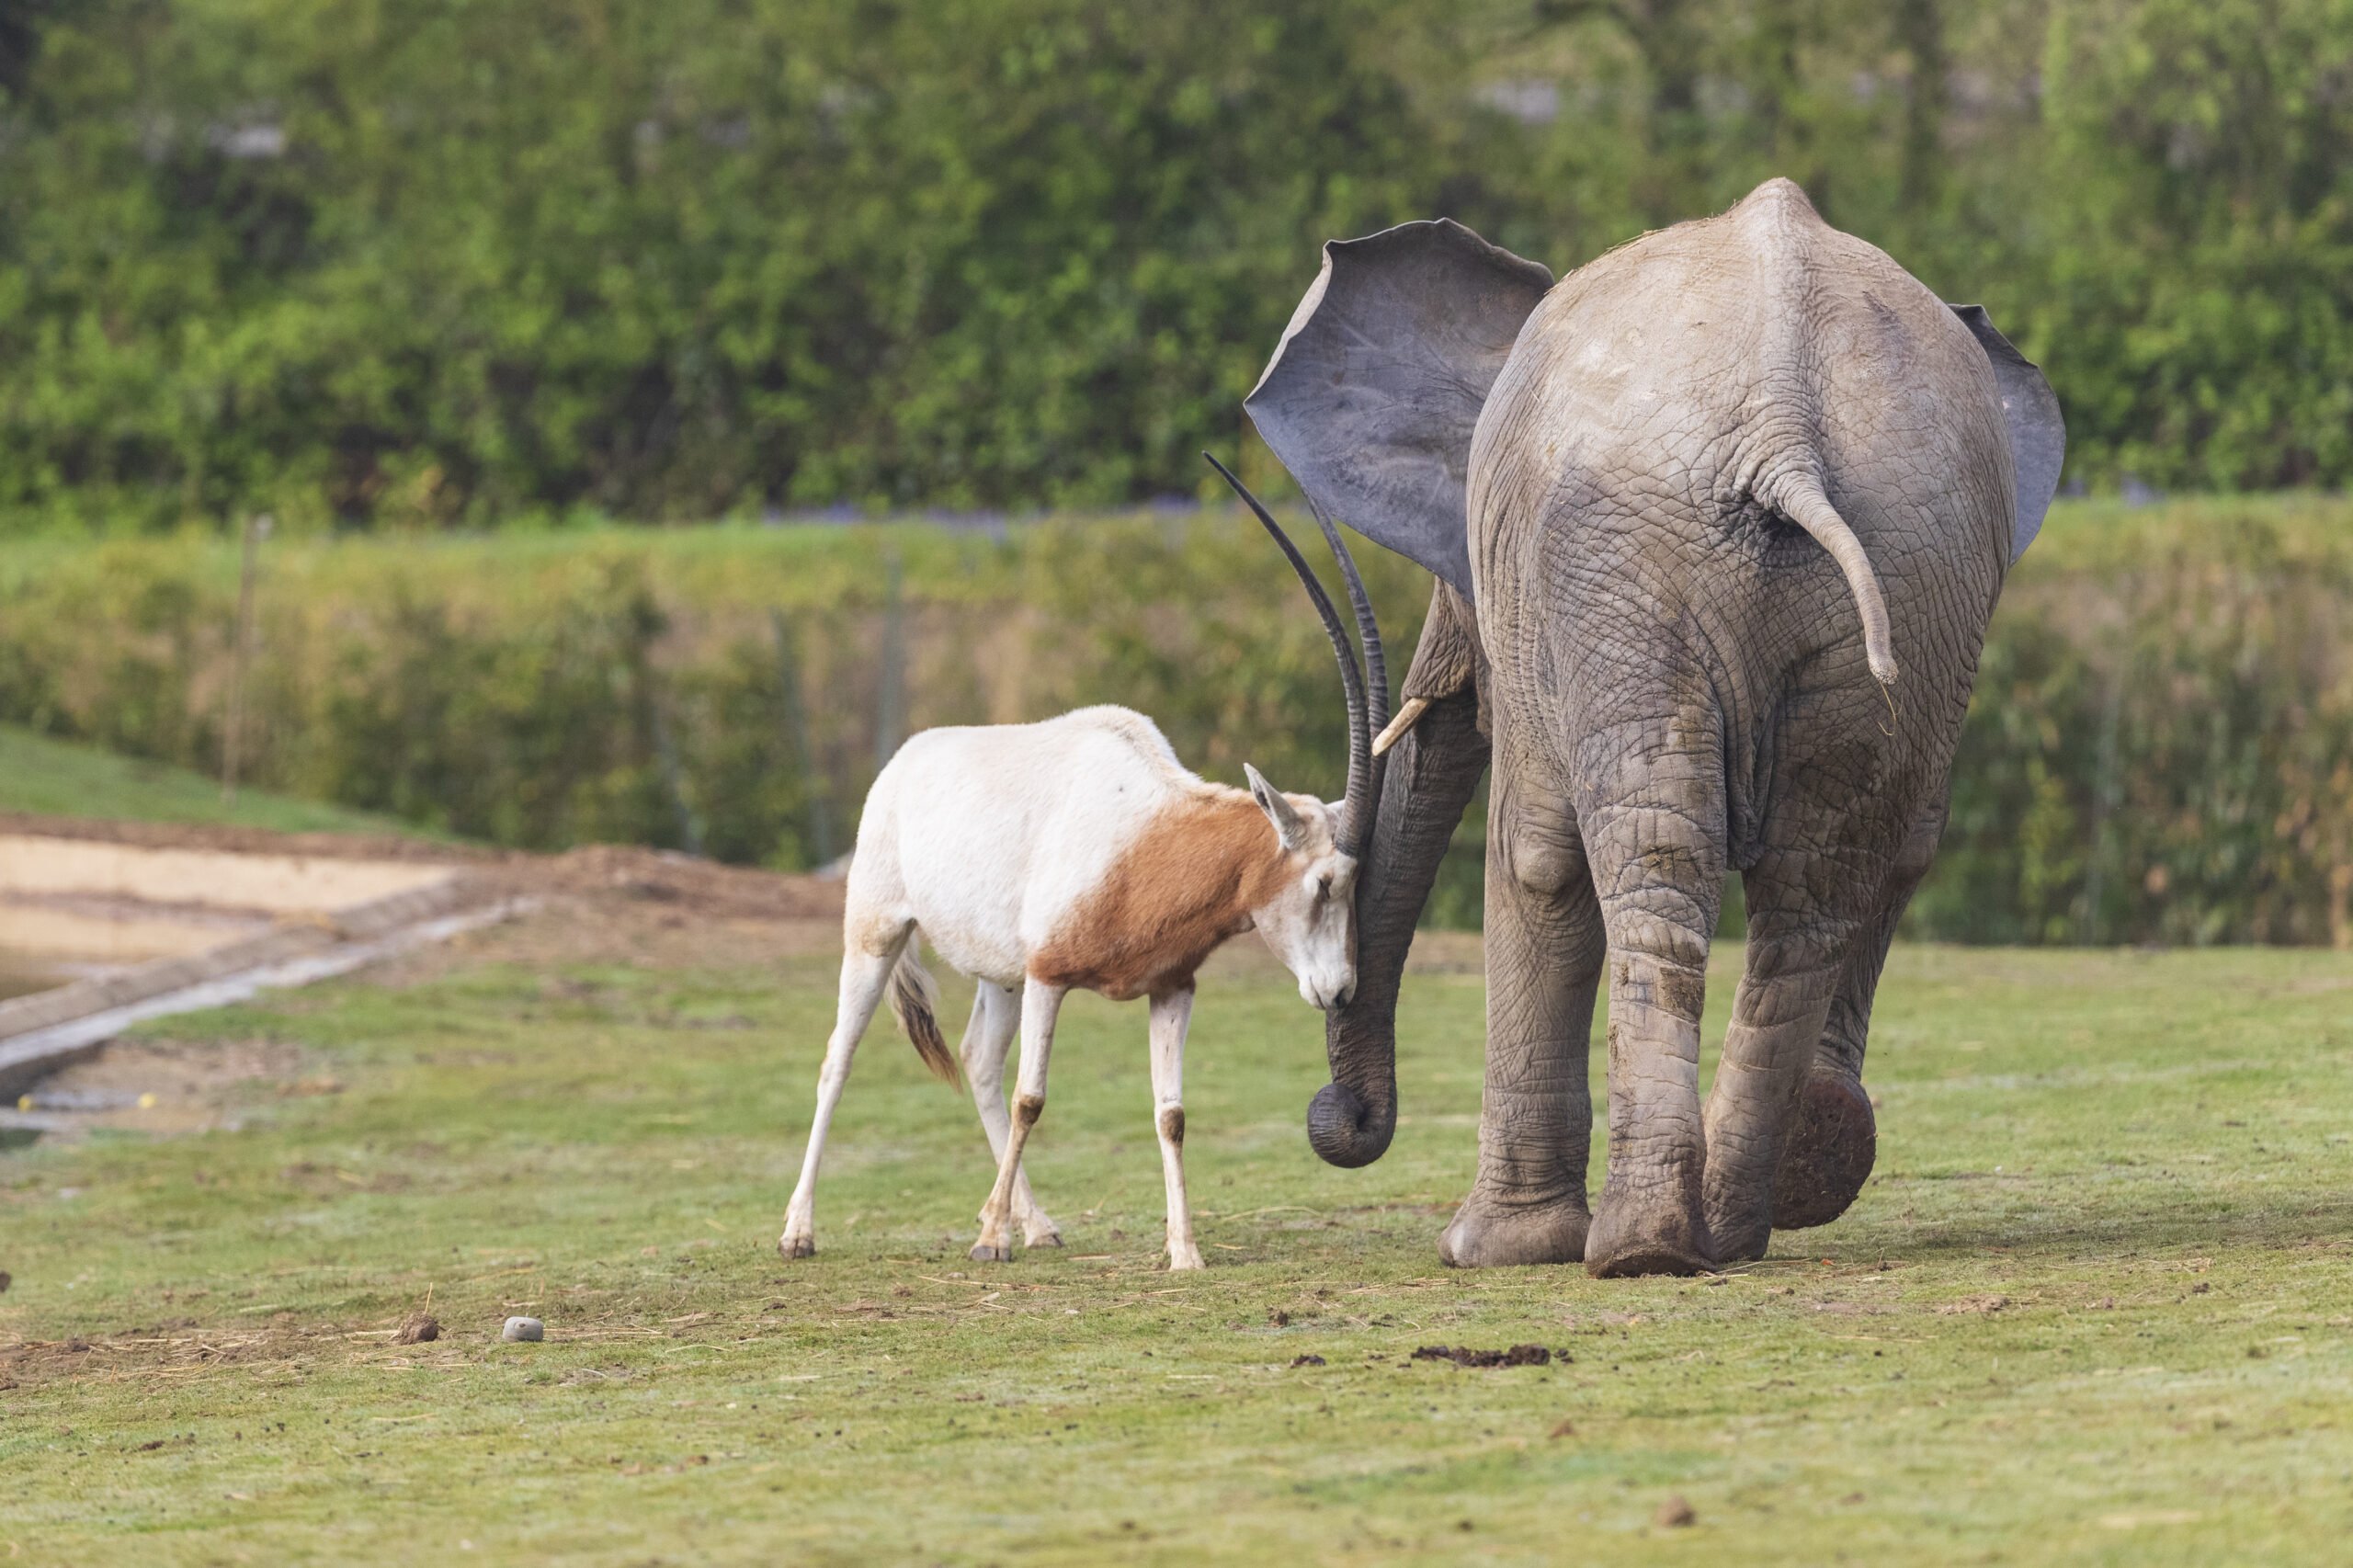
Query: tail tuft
[{"x": 915, "y": 1002}]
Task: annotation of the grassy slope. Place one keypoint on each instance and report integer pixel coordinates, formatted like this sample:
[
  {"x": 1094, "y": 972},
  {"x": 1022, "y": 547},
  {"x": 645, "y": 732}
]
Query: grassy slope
[
  {"x": 2145, "y": 1158},
  {"x": 51, "y": 777}
]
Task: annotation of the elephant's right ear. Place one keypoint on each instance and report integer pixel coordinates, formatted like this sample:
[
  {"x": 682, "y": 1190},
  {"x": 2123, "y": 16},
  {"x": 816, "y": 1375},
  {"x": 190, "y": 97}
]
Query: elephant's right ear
[
  {"x": 2038, "y": 431},
  {"x": 1373, "y": 392}
]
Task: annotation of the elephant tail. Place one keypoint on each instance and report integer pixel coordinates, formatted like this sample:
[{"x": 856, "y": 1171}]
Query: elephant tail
[{"x": 1798, "y": 497}]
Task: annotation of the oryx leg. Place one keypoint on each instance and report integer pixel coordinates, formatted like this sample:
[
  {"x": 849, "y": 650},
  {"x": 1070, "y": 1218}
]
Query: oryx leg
[
  {"x": 1171, "y": 1014},
  {"x": 996, "y": 1018},
  {"x": 865, "y": 975},
  {"x": 1039, "y": 1005}
]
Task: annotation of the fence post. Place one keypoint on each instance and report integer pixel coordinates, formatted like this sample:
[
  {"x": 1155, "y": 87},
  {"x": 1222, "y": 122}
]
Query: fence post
[
  {"x": 815, "y": 788},
  {"x": 2106, "y": 788},
  {"x": 665, "y": 757},
  {"x": 891, "y": 689},
  {"x": 232, "y": 737}
]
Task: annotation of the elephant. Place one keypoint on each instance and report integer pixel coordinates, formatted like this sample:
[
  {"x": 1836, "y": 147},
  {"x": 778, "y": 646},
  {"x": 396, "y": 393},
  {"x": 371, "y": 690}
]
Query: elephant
[{"x": 1717, "y": 524}]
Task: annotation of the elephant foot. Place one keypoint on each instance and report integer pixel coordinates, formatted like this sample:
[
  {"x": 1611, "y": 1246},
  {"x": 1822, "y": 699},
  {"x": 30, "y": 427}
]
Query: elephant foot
[
  {"x": 1833, "y": 1141},
  {"x": 1490, "y": 1236},
  {"x": 1739, "y": 1237},
  {"x": 1738, "y": 1206},
  {"x": 1630, "y": 1237}
]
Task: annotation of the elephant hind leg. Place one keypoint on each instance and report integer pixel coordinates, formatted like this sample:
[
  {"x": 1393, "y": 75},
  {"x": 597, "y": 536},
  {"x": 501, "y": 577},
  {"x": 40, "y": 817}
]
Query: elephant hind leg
[{"x": 1658, "y": 873}]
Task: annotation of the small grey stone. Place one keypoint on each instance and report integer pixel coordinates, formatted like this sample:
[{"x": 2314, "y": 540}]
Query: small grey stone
[{"x": 531, "y": 1329}]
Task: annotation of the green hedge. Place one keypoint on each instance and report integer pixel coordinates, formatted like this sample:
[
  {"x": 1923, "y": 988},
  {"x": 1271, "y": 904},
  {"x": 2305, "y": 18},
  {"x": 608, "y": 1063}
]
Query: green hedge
[
  {"x": 2161, "y": 744},
  {"x": 411, "y": 263},
  {"x": 2161, "y": 748}
]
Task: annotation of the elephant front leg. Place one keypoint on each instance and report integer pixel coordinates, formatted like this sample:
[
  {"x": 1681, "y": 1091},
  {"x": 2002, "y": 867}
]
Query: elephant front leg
[
  {"x": 1785, "y": 994},
  {"x": 1833, "y": 1137},
  {"x": 1544, "y": 948},
  {"x": 1834, "y": 1141}
]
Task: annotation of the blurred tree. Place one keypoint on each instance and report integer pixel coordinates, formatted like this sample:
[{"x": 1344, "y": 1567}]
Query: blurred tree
[
  {"x": 1919, "y": 30},
  {"x": 409, "y": 263}
]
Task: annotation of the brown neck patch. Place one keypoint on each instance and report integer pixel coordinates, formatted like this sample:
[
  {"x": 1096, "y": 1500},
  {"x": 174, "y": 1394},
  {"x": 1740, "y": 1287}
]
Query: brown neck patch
[{"x": 1188, "y": 883}]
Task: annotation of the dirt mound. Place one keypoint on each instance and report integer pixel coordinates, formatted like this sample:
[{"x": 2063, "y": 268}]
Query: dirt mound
[
  {"x": 699, "y": 887},
  {"x": 1463, "y": 1356},
  {"x": 601, "y": 903},
  {"x": 256, "y": 840},
  {"x": 640, "y": 876}
]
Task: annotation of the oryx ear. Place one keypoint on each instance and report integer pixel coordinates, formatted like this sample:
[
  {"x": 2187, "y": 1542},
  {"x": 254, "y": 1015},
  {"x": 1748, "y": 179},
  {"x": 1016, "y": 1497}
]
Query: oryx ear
[
  {"x": 1289, "y": 829},
  {"x": 1375, "y": 389},
  {"x": 2038, "y": 432}
]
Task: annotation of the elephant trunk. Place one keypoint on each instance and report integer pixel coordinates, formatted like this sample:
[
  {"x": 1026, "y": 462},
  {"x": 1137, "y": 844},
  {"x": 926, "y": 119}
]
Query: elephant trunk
[{"x": 1432, "y": 772}]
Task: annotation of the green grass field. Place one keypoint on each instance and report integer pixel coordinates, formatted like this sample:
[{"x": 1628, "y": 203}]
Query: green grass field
[
  {"x": 2093, "y": 1307},
  {"x": 56, "y": 778}
]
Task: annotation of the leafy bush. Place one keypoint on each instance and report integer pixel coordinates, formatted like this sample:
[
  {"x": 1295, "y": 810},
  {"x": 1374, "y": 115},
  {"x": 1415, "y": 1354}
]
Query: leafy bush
[
  {"x": 2161, "y": 751},
  {"x": 2161, "y": 747},
  {"x": 405, "y": 264}
]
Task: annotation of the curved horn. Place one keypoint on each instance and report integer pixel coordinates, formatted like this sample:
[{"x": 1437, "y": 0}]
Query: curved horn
[
  {"x": 1356, "y": 815},
  {"x": 1376, "y": 658}
]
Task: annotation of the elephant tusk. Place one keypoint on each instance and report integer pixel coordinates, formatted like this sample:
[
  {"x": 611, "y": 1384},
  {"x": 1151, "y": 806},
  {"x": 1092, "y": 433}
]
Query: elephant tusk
[{"x": 1409, "y": 714}]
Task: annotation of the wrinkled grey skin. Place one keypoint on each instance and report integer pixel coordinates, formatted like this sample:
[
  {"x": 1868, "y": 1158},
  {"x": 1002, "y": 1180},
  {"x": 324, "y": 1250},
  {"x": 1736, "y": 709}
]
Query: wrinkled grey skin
[{"x": 1670, "y": 681}]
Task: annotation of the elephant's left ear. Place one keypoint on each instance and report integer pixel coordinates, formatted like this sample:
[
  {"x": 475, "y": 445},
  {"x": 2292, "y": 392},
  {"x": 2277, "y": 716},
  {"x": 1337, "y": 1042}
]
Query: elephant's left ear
[
  {"x": 1373, "y": 393},
  {"x": 2037, "y": 434}
]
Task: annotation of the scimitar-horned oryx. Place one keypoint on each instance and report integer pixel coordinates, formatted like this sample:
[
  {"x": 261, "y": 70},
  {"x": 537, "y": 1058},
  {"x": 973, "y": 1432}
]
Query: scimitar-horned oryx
[{"x": 1078, "y": 853}]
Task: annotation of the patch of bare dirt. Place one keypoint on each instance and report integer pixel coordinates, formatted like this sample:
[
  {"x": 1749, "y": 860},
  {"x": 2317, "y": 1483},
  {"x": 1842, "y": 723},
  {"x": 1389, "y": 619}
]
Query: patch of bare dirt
[
  {"x": 575, "y": 929},
  {"x": 169, "y": 1350},
  {"x": 705, "y": 888},
  {"x": 605, "y": 903},
  {"x": 1464, "y": 1355},
  {"x": 168, "y": 1087},
  {"x": 624, "y": 871},
  {"x": 183, "y": 1350},
  {"x": 228, "y": 919},
  {"x": 617, "y": 902},
  {"x": 652, "y": 908},
  {"x": 253, "y": 840}
]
